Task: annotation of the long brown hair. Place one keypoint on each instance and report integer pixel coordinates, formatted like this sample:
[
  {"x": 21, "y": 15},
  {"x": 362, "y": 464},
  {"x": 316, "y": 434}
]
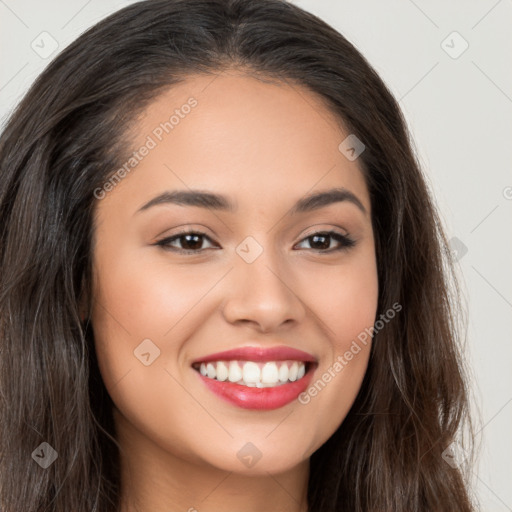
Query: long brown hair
[{"x": 67, "y": 136}]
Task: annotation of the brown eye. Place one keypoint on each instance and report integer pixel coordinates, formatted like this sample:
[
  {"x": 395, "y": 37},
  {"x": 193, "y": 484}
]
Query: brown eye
[
  {"x": 190, "y": 242},
  {"x": 321, "y": 241}
]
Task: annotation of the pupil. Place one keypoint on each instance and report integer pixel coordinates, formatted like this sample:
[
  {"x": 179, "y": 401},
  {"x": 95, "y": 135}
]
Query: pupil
[
  {"x": 325, "y": 245},
  {"x": 191, "y": 245}
]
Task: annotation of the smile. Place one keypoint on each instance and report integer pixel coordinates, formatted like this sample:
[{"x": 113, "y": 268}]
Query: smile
[
  {"x": 255, "y": 377},
  {"x": 252, "y": 373}
]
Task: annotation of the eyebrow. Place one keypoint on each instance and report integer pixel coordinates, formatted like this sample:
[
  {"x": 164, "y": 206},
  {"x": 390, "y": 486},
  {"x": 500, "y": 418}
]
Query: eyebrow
[{"x": 204, "y": 199}]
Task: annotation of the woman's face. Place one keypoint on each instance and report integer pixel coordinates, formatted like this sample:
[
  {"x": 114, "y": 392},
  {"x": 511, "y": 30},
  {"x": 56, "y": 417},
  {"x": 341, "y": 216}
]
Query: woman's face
[{"x": 256, "y": 277}]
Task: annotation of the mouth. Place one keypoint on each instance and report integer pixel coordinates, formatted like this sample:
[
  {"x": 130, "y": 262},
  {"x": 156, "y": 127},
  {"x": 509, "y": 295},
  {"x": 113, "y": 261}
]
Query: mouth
[
  {"x": 257, "y": 378},
  {"x": 254, "y": 374},
  {"x": 254, "y": 366}
]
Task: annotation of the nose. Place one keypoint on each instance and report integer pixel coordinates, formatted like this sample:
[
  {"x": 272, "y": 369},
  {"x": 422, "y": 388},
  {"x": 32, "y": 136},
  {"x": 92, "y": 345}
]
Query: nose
[{"x": 262, "y": 293}]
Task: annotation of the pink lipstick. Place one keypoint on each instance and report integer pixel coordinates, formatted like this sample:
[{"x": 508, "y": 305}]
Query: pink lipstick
[{"x": 257, "y": 378}]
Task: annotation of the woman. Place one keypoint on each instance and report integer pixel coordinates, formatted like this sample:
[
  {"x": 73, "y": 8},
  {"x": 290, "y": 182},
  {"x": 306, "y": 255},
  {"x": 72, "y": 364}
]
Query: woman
[{"x": 306, "y": 358}]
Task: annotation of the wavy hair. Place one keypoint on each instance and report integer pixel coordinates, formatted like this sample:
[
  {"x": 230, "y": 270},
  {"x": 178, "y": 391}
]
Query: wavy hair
[{"x": 68, "y": 135}]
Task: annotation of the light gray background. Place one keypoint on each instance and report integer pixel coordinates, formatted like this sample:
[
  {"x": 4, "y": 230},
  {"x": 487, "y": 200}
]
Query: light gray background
[{"x": 459, "y": 111}]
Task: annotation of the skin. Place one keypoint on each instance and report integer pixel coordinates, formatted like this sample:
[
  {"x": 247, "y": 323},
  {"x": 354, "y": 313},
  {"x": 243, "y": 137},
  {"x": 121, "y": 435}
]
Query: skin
[{"x": 265, "y": 146}]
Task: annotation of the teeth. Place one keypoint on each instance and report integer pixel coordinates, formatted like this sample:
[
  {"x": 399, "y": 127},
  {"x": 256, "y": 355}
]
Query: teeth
[
  {"x": 222, "y": 371},
  {"x": 292, "y": 374},
  {"x": 235, "y": 374},
  {"x": 211, "y": 371},
  {"x": 283, "y": 373},
  {"x": 270, "y": 373},
  {"x": 253, "y": 374}
]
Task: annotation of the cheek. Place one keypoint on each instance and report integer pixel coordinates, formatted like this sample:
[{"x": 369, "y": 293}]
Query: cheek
[
  {"x": 136, "y": 301},
  {"x": 344, "y": 296},
  {"x": 146, "y": 299},
  {"x": 345, "y": 300},
  {"x": 138, "y": 298}
]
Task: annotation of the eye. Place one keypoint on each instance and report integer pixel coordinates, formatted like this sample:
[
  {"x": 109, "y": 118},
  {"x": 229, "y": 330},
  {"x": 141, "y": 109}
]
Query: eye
[
  {"x": 322, "y": 240},
  {"x": 192, "y": 240}
]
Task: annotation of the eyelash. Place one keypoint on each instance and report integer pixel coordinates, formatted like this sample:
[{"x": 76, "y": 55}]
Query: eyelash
[{"x": 345, "y": 241}]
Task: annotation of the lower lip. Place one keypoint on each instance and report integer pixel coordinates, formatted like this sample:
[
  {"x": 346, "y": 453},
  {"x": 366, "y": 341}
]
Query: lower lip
[{"x": 258, "y": 398}]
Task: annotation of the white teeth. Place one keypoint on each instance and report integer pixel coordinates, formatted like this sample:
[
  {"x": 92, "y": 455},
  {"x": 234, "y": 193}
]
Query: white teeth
[
  {"x": 283, "y": 373},
  {"x": 269, "y": 374},
  {"x": 235, "y": 374},
  {"x": 292, "y": 374},
  {"x": 253, "y": 374},
  {"x": 212, "y": 373},
  {"x": 222, "y": 371}
]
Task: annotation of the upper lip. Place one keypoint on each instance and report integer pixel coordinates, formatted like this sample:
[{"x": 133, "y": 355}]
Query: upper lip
[{"x": 252, "y": 353}]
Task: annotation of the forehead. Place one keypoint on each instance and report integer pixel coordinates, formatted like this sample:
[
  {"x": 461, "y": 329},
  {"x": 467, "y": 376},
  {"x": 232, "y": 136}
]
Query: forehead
[{"x": 241, "y": 135}]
